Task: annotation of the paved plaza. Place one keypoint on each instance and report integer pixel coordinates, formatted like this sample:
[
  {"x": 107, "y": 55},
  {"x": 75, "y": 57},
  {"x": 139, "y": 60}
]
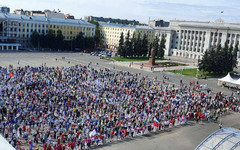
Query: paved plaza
[
  {"x": 37, "y": 59},
  {"x": 181, "y": 138}
]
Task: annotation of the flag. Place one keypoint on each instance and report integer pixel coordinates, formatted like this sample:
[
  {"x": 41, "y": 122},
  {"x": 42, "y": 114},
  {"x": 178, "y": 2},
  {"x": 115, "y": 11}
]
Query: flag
[
  {"x": 31, "y": 145},
  {"x": 11, "y": 74}
]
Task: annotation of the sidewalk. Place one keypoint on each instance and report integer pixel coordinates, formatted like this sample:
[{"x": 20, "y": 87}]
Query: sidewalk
[{"x": 137, "y": 65}]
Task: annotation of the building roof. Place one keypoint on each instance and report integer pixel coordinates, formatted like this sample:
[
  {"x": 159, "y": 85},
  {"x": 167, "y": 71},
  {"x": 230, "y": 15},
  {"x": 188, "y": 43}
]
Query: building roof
[
  {"x": 218, "y": 24},
  {"x": 222, "y": 139},
  {"x": 43, "y": 19},
  {"x": 125, "y": 26}
]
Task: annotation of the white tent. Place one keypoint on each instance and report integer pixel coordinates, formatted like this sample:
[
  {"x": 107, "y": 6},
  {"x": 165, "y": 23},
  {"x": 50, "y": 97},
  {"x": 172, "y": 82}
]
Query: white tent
[
  {"x": 4, "y": 145},
  {"x": 237, "y": 82},
  {"x": 227, "y": 80}
]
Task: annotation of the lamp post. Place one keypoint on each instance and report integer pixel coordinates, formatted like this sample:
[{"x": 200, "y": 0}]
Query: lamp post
[{"x": 197, "y": 68}]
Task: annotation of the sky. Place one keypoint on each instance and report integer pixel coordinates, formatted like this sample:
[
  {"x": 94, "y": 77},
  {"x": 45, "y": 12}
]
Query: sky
[{"x": 141, "y": 10}]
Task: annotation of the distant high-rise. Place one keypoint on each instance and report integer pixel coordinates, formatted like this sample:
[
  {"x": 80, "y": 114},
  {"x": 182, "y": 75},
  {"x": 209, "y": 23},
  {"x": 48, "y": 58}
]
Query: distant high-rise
[
  {"x": 112, "y": 20},
  {"x": 4, "y": 10},
  {"x": 158, "y": 23}
]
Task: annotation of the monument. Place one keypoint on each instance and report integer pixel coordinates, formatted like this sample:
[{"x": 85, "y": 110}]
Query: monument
[{"x": 152, "y": 58}]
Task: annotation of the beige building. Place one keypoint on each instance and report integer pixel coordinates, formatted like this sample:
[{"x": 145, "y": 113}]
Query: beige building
[
  {"x": 111, "y": 33},
  {"x": 17, "y": 29}
]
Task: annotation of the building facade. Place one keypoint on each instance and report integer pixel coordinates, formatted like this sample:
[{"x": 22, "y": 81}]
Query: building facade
[
  {"x": 18, "y": 29},
  {"x": 4, "y": 10},
  {"x": 191, "y": 39},
  {"x": 158, "y": 23},
  {"x": 111, "y": 33},
  {"x": 102, "y": 19}
]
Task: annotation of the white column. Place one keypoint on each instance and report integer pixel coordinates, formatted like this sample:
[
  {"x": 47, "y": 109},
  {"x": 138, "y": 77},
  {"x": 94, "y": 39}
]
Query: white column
[
  {"x": 93, "y": 31},
  {"x": 29, "y": 32},
  {"x": 41, "y": 28},
  {"x": 190, "y": 42},
  {"x": 194, "y": 40},
  {"x": 183, "y": 39},
  {"x": 21, "y": 33},
  {"x": 179, "y": 39},
  {"x": 37, "y": 28},
  {"x": 82, "y": 29},
  {"x": 45, "y": 29},
  {"x": 198, "y": 50},
  {"x": 34, "y": 27},
  {"x": 213, "y": 41},
  {"x": 17, "y": 30},
  {"x": 218, "y": 38},
  {"x": 201, "y": 49},
  {"x": 235, "y": 40},
  {"x": 85, "y": 34},
  {"x": 186, "y": 46},
  {"x": 25, "y": 29}
]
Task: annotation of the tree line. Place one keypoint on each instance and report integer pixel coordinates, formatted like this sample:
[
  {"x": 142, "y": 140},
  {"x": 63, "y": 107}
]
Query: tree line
[
  {"x": 220, "y": 59},
  {"x": 138, "y": 47},
  {"x": 56, "y": 41}
]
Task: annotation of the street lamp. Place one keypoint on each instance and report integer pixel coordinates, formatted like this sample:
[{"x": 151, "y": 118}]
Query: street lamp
[{"x": 197, "y": 68}]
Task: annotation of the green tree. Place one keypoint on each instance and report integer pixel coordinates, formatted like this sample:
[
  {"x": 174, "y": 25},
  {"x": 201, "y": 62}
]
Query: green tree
[
  {"x": 35, "y": 37},
  {"x": 144, "y": 45},
  {"x": 59, "y": 40},
  {"x": 235, "y": 51},
  {"x": 134, "y": 44},
  {"x": 98, "y": 38},
  {"x": 161, "y": 47},
  {"x": 121, "y": 45},
  {"x": 219, "y": 60},
  {"x": 79, "y": 41},
  {"x": 128, "y": 45},
  {"x": 50, "y": 39},
  {"x": 150, "y": 49},
  {"x": 138, "y": 49},
  {"x": 42, "y": 41},
  {"x": 155, "y": 45}
]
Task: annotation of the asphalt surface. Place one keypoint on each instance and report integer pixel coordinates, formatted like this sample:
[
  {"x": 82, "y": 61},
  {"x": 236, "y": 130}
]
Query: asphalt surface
[
  {"x": 37, "y": 59},
  {"x": 180, "y": 138}
]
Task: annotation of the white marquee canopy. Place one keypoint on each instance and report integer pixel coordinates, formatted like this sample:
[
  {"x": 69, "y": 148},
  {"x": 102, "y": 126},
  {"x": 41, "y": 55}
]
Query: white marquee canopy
[
  {"x": 4, "y": 145},
  {"x": 227, "y": 80}
]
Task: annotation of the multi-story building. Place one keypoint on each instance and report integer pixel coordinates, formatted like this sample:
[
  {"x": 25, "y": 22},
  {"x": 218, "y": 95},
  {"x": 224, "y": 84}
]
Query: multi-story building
[
  {"x": 158, "y": 23},
  {"x": 190, "y": 39},
  {"x": 4, "y": 10},
  {"x": 17, "y": 29},
  {"x": 102, "y": 19},
  {"x": 111, "y": 33}
]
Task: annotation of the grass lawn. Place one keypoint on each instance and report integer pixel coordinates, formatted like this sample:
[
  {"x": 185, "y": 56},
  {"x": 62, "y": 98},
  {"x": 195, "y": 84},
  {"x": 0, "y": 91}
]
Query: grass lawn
[
  {"x": 133, "y": 58},
  {"x": 193, "y": 72}
]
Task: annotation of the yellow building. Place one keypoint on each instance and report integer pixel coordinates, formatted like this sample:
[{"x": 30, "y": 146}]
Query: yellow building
[
  {"x": 16, "y": 28},
  {"x": 111, "y": 33}
]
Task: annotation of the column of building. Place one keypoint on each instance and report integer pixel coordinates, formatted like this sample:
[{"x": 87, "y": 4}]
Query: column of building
[
  {"x": 179, "y": 39},
  {"x": 198, "y": 42},
  {"x": 202, "y": 42},
  {"x": 190, "y": 42},
  {"x": 194, "y": 41}
]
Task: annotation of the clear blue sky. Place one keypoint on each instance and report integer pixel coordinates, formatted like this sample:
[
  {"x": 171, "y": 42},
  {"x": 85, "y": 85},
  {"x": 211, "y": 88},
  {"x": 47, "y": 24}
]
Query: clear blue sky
[{"x": 202, "y": 10}]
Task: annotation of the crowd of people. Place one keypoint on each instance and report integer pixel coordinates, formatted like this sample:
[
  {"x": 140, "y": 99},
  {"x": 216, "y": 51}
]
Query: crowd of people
[{"x": 77, "y": 107}]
